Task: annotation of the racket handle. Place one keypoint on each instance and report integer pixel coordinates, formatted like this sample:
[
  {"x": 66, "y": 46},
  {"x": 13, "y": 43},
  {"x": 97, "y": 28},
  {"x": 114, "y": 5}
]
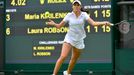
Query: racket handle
[{"x": 111, "y": 24}]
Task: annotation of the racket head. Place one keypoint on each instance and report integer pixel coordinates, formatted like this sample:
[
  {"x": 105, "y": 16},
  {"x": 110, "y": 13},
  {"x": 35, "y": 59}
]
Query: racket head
[{"x": 124, "y": 27}]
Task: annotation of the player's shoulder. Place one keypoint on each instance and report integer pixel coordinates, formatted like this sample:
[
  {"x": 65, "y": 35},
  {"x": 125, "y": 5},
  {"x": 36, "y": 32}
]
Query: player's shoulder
[{"x": 70, "y": 14}]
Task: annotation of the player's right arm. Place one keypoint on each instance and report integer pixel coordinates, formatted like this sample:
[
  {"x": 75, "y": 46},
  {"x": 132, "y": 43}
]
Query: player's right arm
[
  {"x": 57, "y": 25},
  {"x": 62, "y": 23}
]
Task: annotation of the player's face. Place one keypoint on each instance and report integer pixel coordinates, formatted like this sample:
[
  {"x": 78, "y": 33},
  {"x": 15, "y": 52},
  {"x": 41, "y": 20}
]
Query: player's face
[{"x": 76, "y": 7}]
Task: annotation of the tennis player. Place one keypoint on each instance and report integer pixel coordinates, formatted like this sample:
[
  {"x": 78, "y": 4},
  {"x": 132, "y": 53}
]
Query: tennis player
[{"x": 74, "y": 39}]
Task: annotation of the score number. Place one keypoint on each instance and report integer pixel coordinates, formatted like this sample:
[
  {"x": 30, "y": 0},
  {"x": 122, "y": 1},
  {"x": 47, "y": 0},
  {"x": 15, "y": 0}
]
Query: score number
[
  {"x": 18, "y": 2},
  {"x": 105, "y": 13},
  {"x": 8, "y": 31},
  {"x": 105, "y": 28},
  {"x": 8, "y": 17}
]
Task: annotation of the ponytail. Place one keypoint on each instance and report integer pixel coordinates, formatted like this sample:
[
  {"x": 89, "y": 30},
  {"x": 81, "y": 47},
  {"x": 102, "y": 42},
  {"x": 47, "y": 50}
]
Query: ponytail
[{"x": 84, "y": 10}]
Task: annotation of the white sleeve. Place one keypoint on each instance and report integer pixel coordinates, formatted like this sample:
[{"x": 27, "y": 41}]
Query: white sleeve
[
  {"x": 66, "y": 18},
  {"x": 86, "y": 16}
]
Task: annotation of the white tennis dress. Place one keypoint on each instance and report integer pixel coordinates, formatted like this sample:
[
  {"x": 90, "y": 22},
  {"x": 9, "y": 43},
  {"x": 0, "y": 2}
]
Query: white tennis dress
[{"x": 76, "y": 34}]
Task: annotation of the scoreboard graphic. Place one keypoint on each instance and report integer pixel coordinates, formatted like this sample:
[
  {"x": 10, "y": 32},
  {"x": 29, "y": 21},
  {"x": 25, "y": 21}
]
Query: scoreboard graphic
[{"x": 30, "y": 41}]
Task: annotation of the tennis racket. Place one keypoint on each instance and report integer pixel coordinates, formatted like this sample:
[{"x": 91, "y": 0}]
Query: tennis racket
[{"x": 122, "y": 26}]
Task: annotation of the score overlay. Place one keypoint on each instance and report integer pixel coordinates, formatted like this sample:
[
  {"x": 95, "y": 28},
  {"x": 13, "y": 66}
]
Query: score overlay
[{"x": 30, "y": 40}]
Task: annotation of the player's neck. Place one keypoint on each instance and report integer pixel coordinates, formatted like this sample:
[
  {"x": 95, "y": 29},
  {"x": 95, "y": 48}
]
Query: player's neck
[{"x": 77, "y": 13}]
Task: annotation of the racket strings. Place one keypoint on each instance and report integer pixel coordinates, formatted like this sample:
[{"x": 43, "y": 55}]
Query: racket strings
[{"x": 123, "y": 27}]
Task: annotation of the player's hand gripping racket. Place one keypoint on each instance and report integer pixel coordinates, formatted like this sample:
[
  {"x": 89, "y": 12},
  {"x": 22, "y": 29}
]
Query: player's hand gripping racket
[{"x": 123, "y": 26}]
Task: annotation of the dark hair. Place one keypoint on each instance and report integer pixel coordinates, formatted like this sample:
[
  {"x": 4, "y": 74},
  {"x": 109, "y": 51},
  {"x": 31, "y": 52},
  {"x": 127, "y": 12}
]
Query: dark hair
[{"x": 84, "y": 10}]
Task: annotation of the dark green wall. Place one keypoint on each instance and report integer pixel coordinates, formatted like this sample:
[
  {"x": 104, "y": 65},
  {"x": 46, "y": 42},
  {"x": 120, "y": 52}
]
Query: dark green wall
[
  {"x": 123, "y": 57},
  {"x": 124, "y": 61},
  {"x": 1, "y": 33}
]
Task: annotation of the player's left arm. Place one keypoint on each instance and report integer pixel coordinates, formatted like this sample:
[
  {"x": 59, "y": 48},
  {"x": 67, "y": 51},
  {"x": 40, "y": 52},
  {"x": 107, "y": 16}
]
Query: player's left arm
[{"x": 96, "y": 23}]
